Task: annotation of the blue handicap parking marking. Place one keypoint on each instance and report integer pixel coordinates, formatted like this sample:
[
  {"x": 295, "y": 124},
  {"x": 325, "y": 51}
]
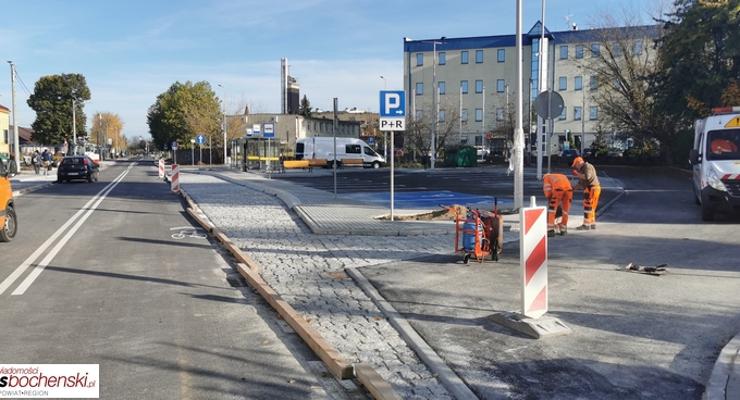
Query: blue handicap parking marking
[{"x": 429, "y": 199}]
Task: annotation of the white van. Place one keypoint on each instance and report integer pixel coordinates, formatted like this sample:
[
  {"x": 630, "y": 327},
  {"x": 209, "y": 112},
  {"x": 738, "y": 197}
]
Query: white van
[
  {"x": 350, "y": 151},
  {"x": 715, "y": 160}
]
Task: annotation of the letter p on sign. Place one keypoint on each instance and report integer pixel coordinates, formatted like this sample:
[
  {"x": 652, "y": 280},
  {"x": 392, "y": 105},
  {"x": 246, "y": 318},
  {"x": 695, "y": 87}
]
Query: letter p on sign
[{"x": 392, "y": 103}]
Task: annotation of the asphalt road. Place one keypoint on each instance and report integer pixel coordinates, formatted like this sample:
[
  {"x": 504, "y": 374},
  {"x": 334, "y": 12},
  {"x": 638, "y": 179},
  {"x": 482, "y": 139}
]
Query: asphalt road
[
  {"x": 414, "y": 187},
  {"x": 113, "y": 273},
  {"x": 634, "y": 335}
]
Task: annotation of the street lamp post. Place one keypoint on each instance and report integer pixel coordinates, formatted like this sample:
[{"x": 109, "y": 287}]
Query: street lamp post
[
  {"x": 192, "y": 152},
  {"x": 223, "y": 123},
  {"x": 519, "y": 130},
  {"x": 385, "y": 140},
  {"x": 74, "y": 125},
  {"x": 16, "y": 142}
]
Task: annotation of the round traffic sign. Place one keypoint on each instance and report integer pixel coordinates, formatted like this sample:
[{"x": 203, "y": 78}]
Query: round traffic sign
[{"x": 549, "y": 104}]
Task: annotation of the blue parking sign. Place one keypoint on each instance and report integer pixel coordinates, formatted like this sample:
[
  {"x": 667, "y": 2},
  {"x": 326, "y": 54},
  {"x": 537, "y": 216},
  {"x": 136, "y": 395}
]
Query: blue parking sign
[{"x": 392, "y": 104}]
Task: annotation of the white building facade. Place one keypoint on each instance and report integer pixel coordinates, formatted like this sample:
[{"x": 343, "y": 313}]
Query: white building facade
[{"x": 475, "y": 80}]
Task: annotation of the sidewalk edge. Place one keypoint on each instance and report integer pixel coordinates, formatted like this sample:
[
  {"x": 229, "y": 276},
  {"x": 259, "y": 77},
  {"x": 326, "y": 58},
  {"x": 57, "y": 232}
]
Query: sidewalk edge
[
  {"x": 444, "y": 374},
  {"x": 727, "y": 364}
]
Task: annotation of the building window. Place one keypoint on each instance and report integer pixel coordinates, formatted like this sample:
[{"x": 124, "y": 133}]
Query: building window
[
  {"x": 564, "y": 52},
  {"x": 579, "y": 51},
  {"x": 441, "y": 116},
  {"x": 595, "y": 49},
  {"x": 562, "y": 83},
  {"x": 578, "y": 83},
  {"x": 637, "y": 48},
  {"x": 593, "y": 82},
  {"x": 577, "y": 113},
  {"x": 418, "y": 115},
  {"x": 353, "y": 149},
  {"x": 478, "y": 114},
  {"x": 479, "y": 56},
  {"x": 563, "y": 114},
  {"x": 500, "y": 85},
  {"x": 464, "y": 57},
  {"x": 501, "y": 55},
  {"x": 442, "y": 57},
  {"x": 464, "y": 115},
  {"x": 479, "y": 140},
  {"x": 442, "y": 87},
  {"x": 464, "y": 87},
  {"x": 478, "y": 86},
  {"x": 593, "y": 113},
  {"x": 500, "y": 114},
  {"x": 419, "y": 88},
  {"x": 419, "y": 59},
  {"x": 5, "y": 136}
]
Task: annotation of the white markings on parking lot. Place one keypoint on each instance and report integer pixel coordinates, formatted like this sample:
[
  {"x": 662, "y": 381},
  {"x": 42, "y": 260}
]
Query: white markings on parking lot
[{"x": 85, "y": 212}]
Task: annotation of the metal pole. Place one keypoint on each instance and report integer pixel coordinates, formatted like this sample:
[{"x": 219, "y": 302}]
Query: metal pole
[
  {"x": 225, "y": 127},
  {"x": 519, "y": 130},
  {"x": 393, "y": 175},
  {"x": 542, "y": 86},
  {"x": 434, "y": 105},
  {"x": 192, "y": 154},
  {"x": 210, "y": 151},
  {"x": 334, "y": 151},
  {"x": 74, "y": 126},
  {"x": 100, "y": 128},
  {"x": 583, "y": 116},
  {"x": 16, "y": 142},
  {"x": 460, "y": 118},
  {"x": 483, "y": 117}
]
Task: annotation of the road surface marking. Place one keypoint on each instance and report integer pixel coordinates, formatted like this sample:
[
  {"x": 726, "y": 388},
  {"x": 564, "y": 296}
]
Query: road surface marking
[
  {"x": 36, "y": 254},
  {"x": 30, "y": 278}
]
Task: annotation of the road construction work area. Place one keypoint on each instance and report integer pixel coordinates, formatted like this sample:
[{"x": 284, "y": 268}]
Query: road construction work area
[{"x": 126, "y": 274}]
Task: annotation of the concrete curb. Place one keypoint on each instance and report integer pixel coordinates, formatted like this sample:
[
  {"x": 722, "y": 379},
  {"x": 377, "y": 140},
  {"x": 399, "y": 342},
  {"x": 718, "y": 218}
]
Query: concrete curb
[
  {"x": 610, "y": 203},
  {"x": 449, "y": 379},
  {"x": 334, "y": 361},
  {"x": 724, "y": 382},
  {"x": 21, "y": 192}
]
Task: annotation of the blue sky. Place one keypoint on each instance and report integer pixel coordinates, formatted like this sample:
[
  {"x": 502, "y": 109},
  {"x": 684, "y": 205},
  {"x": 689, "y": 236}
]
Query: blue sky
[{"x": 130, "y": 51}]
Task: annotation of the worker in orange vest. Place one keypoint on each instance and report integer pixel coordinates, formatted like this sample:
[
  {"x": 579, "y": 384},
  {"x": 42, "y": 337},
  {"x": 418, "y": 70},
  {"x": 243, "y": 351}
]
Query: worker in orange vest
[
  {"x": 589, "y": 182},
  {"x": 559, "y": 194}
]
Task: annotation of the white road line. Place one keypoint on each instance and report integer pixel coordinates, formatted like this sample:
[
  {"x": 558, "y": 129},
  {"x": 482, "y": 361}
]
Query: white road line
[
  {"x": 22, "y": 268},
  {"x": 60, "y": 244}
]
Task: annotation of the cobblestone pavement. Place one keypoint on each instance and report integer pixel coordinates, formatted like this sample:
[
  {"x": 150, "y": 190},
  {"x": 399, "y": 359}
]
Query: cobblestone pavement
[{"x": 307, "y": 270}]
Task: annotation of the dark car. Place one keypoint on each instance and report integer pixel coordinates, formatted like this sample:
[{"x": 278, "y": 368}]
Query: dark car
[
  {"x": 77, "y": 167},
  {"x": 568, "y": 155}
]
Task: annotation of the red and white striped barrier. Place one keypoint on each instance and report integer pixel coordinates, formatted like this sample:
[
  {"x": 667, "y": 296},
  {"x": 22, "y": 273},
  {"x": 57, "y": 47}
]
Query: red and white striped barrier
[
  {"x": 533, "y": 258},
  {"x": 175, "y": 179},
  {"x": 731, "y": 177},
  {"x": 161, "y": 169}
]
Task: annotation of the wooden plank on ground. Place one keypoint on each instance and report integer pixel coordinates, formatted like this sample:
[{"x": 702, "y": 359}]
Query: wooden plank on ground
[
  {"x": 338, "y": 367},
  {"x": 378, "y": 387}
]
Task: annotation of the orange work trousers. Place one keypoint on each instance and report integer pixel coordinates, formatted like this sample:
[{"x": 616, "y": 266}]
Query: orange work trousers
[
  {"x": 590, "y": 202},
  {"x": 558, "y": 198}
]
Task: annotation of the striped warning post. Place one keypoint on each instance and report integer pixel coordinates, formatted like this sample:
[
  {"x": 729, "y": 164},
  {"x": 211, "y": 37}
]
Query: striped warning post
[
  {"x": 533, "y": 252},
  {"x": 161, "y": 169},
  {"x": 175, "y": 179}
]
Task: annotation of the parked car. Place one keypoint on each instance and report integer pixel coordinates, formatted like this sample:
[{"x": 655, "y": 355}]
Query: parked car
[
  {"x": 568, "y": 155},
  {"x": 8, "y": 218},
  {"x": 77, "y": 167}
]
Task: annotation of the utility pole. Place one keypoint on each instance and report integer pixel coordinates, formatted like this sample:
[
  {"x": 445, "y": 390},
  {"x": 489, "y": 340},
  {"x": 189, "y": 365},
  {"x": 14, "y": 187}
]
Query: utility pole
[
  {"x": 74, "y": 126},
  {"x": 100, "y": 144},
  {"x": 542, "y": 87},
  {"x": 583, "y": 116},
  {"x": 519, "y": 130},
  {"x": 435, "y": 104},
  {"x": 483, "y": 117},
  {"x": 16, "y": 142},
  {"x": 459, "y": 118},
  {"x": 334, "y": 152}
]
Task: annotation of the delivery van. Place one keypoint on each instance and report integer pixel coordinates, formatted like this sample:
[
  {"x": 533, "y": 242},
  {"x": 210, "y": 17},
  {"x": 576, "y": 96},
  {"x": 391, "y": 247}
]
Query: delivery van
[
  {"x": 715, "y": 160},
  {"x": 349, "y": 151},
  {"x": 8, "y": 218}
]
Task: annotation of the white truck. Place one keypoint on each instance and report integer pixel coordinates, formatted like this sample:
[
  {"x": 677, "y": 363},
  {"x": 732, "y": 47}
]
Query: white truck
[
  {"x": 349, "y": 151},
  {"x": 715, "y": 160}
]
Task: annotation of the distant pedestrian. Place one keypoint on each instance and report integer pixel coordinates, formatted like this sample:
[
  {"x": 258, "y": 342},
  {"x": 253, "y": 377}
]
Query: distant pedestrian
[
  {"x": 36, "y": 161},
  {"x": 46, "y": 160},
  {"x": 589, "y": 182}
]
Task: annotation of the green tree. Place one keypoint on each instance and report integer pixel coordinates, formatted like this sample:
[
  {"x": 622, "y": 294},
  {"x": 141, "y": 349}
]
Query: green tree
[
  {"x": 700, "y": 58},
  {"x": 52, "y": 101},
  {"x": 183, "y": 111},
  {"x": 305, "y": 107}
]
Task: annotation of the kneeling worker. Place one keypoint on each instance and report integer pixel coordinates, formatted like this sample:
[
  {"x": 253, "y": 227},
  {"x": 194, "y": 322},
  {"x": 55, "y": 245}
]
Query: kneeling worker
[
  {"x": 559, "y": 194},
  {"x": 589, "y": 182}
]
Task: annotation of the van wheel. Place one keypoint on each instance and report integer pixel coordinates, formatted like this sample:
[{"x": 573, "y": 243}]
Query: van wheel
[
  {"x": 11, "y": 225},
  {"x": 376, "y": 165},
  {"x": 707, "y": 212}
]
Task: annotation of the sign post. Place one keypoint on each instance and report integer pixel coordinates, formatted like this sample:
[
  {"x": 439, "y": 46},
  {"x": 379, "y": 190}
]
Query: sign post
[
  {"x": 174, "y": 152},
  {"x": 200, "y": 139},
  {"x": 268, "y": 132},
  {"x": 392, "y": 119}
]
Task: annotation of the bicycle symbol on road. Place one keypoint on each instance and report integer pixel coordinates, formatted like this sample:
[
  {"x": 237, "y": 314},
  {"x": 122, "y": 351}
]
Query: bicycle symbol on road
[{"x": 187, "y": 232}]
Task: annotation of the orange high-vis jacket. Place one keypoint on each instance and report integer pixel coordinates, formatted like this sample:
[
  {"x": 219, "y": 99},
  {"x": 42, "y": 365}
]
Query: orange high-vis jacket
[{"x": 555, "y": 182}]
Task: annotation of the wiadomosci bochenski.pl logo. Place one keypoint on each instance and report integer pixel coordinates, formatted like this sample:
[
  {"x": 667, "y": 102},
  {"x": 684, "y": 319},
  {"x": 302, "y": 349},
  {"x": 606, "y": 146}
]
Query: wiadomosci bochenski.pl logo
[{"x": 50, "y": 381}]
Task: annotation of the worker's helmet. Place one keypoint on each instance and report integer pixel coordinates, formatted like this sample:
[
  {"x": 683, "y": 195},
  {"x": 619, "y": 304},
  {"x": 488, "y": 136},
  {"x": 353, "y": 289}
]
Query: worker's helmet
[{"x": 577, "y": 161}]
